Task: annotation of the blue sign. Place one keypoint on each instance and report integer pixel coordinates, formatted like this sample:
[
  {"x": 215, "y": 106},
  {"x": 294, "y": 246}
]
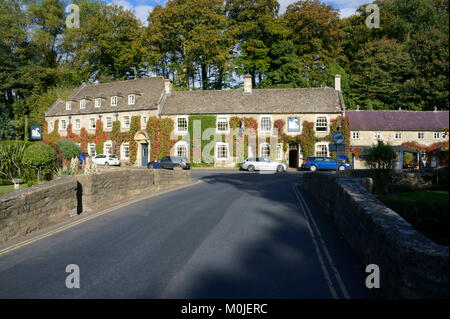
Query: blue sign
[
  {"x": 36, "y": 133},
  {"x": 293, "y": 124},
  {"x": 338, "y": 138}
]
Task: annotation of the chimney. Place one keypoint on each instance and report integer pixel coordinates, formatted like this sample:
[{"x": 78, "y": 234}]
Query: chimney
[
  {"x": 168, "y": 86},
  {"x": 247, "y": 84},
  {"x": 337, "y": 82}
]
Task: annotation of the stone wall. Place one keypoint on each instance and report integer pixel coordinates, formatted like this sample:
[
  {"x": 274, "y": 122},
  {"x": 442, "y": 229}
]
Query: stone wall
[
  {"x": 411, "y": 265},
  {"x": 40, "y": 206},
  {"x": 37, "y": 207}
]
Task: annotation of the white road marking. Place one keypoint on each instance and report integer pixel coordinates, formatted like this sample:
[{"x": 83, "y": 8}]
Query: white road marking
[
  {"x": 309, "y": 217},
  {"x": 316, "y": 246}
]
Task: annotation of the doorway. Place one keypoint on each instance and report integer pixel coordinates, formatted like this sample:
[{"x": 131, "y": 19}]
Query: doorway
[
  {"x": 293, "y": 155},
  {"x": 144, "y": 160}
]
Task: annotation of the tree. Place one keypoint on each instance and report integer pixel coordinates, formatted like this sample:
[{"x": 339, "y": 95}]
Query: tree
[
  {"x": 41, "y": 157},
  {"x": 255, "y": 27},
  {"x": 381, "y": 159},
  {"x": 383, "y": 75},
  {"x": 189, "y": 40},
  {"x": 316, "y": 34},
  {"x": 108, "y": 45},
  {"x": 69, "y": 149}
]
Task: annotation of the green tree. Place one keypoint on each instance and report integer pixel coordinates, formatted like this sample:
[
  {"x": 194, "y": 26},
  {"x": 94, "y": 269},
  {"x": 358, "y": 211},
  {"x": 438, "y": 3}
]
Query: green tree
[
  {"x": 316, "y": 34},
  {"x": 69, "y": 149},
  {"x": 41, "y": 157}
]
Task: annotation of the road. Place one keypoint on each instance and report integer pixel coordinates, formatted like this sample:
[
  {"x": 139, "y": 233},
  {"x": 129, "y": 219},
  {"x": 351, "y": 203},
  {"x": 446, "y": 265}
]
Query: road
[{"x": 232, "y": 235}]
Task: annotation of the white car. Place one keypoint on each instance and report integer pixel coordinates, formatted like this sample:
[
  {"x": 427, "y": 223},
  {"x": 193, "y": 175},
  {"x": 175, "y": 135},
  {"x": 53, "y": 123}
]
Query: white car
[
  {"x": 263, "y": 164},
  {"x": 106, "y": 160}
]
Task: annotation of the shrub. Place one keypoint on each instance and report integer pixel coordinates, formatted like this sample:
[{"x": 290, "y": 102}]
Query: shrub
[
  {"x": 408, "y": 158},
  {"x": 381, "y": 160},
  {"x": 69, "y": 149},
  {"x": 42, "y": 158},
  {"x": 11, "y": 166}
]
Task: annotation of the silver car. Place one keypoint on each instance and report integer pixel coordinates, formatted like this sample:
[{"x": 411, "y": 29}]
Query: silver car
[{"x": 263, "y": 164}]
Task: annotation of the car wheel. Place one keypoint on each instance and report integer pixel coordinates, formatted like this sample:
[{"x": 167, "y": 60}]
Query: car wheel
[
  {"x": 313, "y": 168},
  {"x": 280, "y": 169},
  {"x": 342, "y": 168},
  {"x": 251, "y": 168}
]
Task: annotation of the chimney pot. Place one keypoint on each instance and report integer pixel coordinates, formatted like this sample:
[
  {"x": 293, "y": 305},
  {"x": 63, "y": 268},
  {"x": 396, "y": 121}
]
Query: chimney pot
[
  {"x": 248, "y": 84},
  {"x": 337, "y": 82}
]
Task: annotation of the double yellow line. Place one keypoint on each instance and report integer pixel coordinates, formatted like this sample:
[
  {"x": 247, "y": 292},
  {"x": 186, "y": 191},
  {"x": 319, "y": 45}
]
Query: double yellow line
[
  {"x": 87, "y": 218},
  {"x": 311, "y": 224}
]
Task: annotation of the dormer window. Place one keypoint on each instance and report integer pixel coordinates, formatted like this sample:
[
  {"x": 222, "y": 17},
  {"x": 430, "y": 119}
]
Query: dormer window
[
  {"x": 68, "y": 106},
  {"x": 113, "y": 100},
  {"x": 131, "y": 99},
  {"x": 98, "y": 102},
  {"x": 82, "y": 104}
]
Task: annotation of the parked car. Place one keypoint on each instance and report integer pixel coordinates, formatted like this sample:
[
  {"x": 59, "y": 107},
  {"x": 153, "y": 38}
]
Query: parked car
[
  {"x": 314, "y": 163},
  {"x": 171, "y": 162},
  {"x": 263, "y": 164},
  {"x": 106, "y": 160}
]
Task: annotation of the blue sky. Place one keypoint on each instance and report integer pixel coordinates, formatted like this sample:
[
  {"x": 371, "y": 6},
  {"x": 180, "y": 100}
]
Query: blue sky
[{"x": 143, "y": 7}]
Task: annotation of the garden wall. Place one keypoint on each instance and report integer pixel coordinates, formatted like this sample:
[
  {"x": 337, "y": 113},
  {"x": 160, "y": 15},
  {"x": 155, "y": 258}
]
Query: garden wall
[
  {"x": 411, "y": 265},
  {"x": 40, "y": 206}
]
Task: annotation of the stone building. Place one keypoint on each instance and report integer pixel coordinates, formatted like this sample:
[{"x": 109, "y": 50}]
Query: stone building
[
  {"x": 119, "y": 102},
  {"x": 396, "y": 128}
]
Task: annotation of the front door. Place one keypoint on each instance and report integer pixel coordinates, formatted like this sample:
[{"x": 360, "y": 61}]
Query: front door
[
  {"x": 293, "y": 155},
  {"x": 144, "y": 160}
]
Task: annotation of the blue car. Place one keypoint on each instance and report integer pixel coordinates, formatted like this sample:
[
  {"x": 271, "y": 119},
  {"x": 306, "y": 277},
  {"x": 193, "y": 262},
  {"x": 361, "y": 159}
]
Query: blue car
[{"x": 314, "y": 163}]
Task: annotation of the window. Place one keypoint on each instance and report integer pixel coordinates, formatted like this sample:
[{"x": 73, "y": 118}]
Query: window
[
  {"x": 321, "y": 150},
  {"x": 355, "y": 135},
  {"x": 109, "y": 123},
  {"x": 98, "y": 102},
  {"x": 91, "y": 149},
  {"x": 82, "y": 104},
  {"x": 125, "y": 152},
  {"x": 420, "y": 135},
  {"x": 377, "y": 136},
  {"x": 107, "y": 148},
  {"x": 182, "y": 124},
  {"x": 126, "y": 122},
  {"x": 264, "y": 150},
  {"x": 68, "y": 106},
  {"x": 92, "y": 123},
  {"x": 181, "y": 150},
  {"x": 221, "y": 151},
  {"x": 51, "y": 127},
  {"x": 222, "y": 124},
  {"x": 113, "y": 100},
  {"x": 321, "y": 124},
  {"x": 266, "y": 124},
  {"x": 131, "y": 99},
  {"x": 398, "y": 135},
  {"x": 436, "y": 135},
  {"x": 279, "y": 151},
  {"x": 77, "y": 124},
  {"x": 63, "y": 125}
]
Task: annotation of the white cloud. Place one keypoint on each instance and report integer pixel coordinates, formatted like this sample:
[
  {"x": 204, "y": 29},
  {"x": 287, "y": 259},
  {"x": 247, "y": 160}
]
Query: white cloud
[
  {"x": 346, "y": 12},
  {"x": 142, "y": 12},
  {"x": 125, "y": 4}
]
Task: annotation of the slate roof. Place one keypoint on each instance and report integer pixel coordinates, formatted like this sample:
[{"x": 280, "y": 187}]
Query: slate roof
[
  {"x": 398, "y": 120},
  {"x": 263, "y": 101},
  {"x": 149, "y": 92}
]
